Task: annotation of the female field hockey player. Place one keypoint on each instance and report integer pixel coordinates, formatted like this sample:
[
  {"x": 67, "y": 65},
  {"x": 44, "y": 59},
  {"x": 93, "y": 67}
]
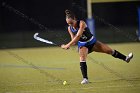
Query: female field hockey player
[{"x": 87, "y": 43}]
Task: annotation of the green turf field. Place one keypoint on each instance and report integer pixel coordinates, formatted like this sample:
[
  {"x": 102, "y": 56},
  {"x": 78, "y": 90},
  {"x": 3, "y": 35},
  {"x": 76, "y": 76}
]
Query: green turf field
[{"x": 43, "y": 70}]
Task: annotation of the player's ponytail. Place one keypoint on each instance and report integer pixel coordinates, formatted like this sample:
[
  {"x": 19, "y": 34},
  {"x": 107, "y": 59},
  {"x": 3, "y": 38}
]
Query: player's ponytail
[{"x": 69, "y": 14}]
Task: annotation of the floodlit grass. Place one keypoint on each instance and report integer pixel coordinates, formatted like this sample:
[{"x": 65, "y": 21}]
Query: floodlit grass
[{"x": 43, "y": 70}]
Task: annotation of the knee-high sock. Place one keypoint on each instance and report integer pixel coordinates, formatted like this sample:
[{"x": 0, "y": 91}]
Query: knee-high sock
[
  {"x": 83, "y": 67},
  {"x": 119, "y": 55}
]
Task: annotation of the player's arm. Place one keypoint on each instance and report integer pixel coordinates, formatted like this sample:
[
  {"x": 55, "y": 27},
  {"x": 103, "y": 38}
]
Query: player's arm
[
  {"x": 79, "y": 33},
  {"x": 77, "y": 36},
  {"x": 71, "y": 34}
]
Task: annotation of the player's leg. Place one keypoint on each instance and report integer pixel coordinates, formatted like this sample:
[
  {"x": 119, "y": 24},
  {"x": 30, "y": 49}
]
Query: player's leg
[
  {"x": 101, "y": 47},
  {"x": 83, "y": 51}
]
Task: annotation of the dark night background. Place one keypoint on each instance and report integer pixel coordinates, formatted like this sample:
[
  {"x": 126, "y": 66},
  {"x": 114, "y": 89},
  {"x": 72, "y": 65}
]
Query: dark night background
[
  {"x": 50, "y": 13},
  {"x": 46, "y": 12}
]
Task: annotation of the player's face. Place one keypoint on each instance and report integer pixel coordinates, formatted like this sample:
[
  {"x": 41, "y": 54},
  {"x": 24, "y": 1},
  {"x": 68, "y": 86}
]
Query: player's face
[{"x": 70, "y": 21}]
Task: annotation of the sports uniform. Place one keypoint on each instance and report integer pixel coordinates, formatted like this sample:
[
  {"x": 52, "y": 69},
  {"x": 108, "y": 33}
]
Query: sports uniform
[{"x": 86, "y": 40}]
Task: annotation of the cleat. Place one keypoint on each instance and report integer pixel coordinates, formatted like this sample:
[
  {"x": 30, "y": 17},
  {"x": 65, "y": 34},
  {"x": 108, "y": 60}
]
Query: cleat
[
  {"x": 85, "y": 81},
  {"x": 129, "y": 57}
]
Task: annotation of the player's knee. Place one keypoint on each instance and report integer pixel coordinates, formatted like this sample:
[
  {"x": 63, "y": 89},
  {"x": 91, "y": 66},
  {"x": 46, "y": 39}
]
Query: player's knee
[
  {"x": 82, "y": 58},
  {"x": 109, "y": 51}
]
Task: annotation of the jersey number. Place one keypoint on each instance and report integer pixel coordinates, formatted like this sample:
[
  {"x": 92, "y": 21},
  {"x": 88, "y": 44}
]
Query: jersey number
[{"x": 84, "y": 37}]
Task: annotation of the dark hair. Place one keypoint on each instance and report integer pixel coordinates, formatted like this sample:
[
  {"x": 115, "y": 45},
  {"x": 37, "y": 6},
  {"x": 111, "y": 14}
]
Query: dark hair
[{"x": 69, "y": 14}]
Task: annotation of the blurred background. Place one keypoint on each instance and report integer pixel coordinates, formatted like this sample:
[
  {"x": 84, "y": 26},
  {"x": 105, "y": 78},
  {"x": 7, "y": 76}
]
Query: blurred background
[{"x": 113, "y": 22}]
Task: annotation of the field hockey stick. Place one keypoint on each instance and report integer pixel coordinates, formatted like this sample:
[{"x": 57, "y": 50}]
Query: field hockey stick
[{"x": 44, "y": 40}]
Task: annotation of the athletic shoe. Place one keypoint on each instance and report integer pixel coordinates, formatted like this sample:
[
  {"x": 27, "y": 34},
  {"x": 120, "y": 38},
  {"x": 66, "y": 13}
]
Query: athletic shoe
[
  {"x": 129, "y": 57},
  {"x": 85, "y": 81}
]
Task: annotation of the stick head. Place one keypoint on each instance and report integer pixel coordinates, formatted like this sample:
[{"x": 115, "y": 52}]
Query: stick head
[
  {"x": 35, "y": 35},
  {"x": 43, "y": 40}
]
